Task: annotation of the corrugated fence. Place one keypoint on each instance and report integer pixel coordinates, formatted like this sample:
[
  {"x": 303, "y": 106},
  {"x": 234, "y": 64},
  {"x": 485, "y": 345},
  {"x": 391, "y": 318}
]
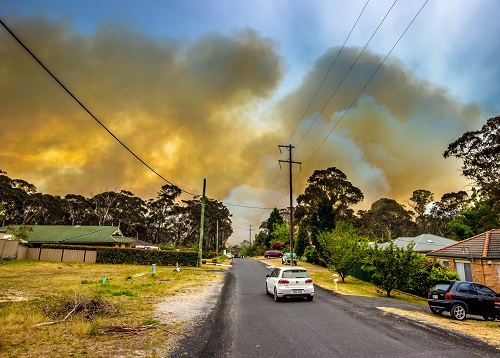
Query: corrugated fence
[{"x": 10, "y": 249}]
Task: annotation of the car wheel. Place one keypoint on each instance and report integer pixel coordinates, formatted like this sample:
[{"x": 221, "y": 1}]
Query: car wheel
[
  {"x": 436, "y": 310},
  {"x": 458, "y": 312},
  {"x": 276, "y": 298},
  {"x": 310, "y": 298},
  {"x": 489, "y": 318}
]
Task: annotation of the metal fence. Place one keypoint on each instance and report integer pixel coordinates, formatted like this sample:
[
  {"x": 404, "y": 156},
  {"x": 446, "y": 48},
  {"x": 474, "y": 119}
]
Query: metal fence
[{"x": 10, "y": 249}]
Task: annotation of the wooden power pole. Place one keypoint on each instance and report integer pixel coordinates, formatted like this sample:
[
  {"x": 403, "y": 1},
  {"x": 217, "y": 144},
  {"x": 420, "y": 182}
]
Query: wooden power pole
[{"x": 290, "y": 162}]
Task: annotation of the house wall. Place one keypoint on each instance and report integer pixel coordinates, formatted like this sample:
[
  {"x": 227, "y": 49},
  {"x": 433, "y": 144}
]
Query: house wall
[
  {"x": 491, "y": 272},
  {"x": 483, "y": 271}
]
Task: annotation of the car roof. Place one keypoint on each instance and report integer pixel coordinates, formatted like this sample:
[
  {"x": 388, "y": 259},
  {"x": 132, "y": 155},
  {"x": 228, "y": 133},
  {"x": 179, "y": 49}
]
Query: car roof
[{"x": 294, "y": 268}]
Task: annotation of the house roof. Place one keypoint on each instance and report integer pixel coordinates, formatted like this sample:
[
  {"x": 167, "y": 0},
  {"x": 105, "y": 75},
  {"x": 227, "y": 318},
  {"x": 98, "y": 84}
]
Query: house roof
[
  {"x": 423, "y": 243},
  {"x": 483, "y": 246},
  {"x": 59, "y": 234}
]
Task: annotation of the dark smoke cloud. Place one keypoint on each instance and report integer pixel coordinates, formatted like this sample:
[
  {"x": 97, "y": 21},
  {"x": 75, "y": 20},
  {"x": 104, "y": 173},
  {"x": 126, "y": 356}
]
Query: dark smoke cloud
[{"x": 205, "y": 108}]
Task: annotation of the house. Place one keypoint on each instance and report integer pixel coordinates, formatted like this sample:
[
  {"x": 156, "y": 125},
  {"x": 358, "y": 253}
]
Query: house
[
  {"x": 109, "y": 236},
  {"x": 475, "y": 259},
  {"x": 423, "y": 243}
]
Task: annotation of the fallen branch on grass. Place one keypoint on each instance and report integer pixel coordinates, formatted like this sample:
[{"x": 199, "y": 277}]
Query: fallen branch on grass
[
  {"x": 134, "y": 328},
  {"x": 89, "y": 307}
]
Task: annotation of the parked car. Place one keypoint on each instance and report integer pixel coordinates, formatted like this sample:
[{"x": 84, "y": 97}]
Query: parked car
[
  {"x": 463, "y": 297},
  {"x": 285, "y": 259},
  {"x": 273, "y": 253},
  {"x": 286, "y": 282}
]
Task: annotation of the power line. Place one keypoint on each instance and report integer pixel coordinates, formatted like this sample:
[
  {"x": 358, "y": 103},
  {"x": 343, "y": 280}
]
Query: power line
[
  {"x": 328, "y": 72},
  {"x": 103, "y": 126},
  {"x": 343, "y": 79},
  {"x": 317, "y": 91},
  {"x": 86, "y": 109},
  {"x": 348, "y": 71},
  {"x": 366, "y": 84}
]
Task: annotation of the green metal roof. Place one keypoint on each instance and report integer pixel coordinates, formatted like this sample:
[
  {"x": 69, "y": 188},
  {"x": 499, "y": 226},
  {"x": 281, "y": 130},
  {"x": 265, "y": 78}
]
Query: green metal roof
[
  {"x": 60, "y": 234},
  {"x": 422, "y": 243}
]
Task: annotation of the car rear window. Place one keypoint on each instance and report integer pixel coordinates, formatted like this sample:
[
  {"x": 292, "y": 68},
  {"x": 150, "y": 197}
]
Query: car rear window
[
  {"x": 441, "y": 286},
  {"x": 295, "y": 274}
]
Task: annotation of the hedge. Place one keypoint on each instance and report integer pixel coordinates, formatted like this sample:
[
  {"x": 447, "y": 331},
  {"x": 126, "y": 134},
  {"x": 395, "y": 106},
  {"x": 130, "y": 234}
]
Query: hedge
[{"x": 113, "y": 255}]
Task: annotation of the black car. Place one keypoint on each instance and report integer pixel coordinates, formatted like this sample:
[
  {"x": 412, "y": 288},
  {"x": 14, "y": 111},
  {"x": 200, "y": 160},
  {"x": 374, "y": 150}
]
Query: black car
[{"x": 463, "y": 297}]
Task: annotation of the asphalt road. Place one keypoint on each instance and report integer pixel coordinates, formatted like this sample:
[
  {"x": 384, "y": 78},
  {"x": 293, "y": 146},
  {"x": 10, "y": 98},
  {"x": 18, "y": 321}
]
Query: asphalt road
[{"x": 248, "y": 323}]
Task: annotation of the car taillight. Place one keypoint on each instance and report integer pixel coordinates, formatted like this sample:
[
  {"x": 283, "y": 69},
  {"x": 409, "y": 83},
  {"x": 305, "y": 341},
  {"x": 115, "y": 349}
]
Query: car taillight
[
  {"x": 448, "y": 297},
  {"x": 497, "y": 301},
  {"x": 309, "y": 280},
  {"x": 282, "y": 282}
]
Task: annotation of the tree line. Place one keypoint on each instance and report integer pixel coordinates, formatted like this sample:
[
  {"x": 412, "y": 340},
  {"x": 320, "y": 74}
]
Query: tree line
[{"x": 164, "y": 220}]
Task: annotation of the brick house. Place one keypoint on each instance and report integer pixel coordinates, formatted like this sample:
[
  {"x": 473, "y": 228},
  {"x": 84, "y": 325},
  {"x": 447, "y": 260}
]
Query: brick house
[{"x": 475, "y": 259}]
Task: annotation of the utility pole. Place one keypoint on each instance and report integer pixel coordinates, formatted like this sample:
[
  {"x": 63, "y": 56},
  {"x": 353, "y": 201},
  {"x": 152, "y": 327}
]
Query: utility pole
[
  {"x": 250, "y": 235},
  {"x": 290, "y": 162},
  {"x": 202, "y": 222},
  {"x": 217, "y": 239}
]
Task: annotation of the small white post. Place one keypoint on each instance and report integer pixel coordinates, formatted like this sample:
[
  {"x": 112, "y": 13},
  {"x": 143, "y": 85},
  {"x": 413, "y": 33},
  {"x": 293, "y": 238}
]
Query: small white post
[{"x": 336, "y": 280}]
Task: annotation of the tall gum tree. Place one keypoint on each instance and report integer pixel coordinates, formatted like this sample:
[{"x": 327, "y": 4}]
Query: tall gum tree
[{"x": 328, "y": 198}]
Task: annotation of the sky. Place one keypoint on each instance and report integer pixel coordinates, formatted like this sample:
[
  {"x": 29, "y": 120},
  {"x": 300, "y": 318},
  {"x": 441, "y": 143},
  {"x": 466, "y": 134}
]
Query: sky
[{"x": 210, "y": 90}]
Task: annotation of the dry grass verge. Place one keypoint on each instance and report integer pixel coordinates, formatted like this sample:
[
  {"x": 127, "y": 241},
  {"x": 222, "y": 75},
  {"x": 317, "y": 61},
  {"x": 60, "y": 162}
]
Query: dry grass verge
[
  {"x": 487, "y": 331},
  {"x": 92, "y": 317}
]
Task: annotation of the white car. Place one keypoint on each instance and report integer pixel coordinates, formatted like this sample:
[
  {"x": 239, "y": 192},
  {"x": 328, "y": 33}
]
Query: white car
[{"x": 285, "y": 282}]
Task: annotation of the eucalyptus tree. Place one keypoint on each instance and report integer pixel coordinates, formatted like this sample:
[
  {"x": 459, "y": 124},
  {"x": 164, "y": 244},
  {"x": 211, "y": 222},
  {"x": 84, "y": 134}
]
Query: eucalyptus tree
[
  {"x": 12, "y": 198},
  {"x": 479, "y": 152},
  {"x": 217, "y": 223},
  {"x": 163, "y": 216},
  {"x": 419, "y": 202},
  {"x": 386, "y": 220},
  {"x": 216, "y": 215},
  {"x": 102, "y": 205},
  {"x": 79, "y": 209},
  {"x": 446, "y": 210},
  {"x": 44, "y": 209},
  {"x": 328, "y": 198},
  {"x": 130, "y": 212}
]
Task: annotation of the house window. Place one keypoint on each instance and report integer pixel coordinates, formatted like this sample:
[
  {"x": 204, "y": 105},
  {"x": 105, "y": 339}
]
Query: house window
[
  {"x": 445, "y": 263},
  {"x": 464, "y": 271}
]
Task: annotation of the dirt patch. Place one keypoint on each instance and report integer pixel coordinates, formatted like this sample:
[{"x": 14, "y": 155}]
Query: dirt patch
[
  {"x": 184, "y": 310},
  {"x": 13, "y": 296}
]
